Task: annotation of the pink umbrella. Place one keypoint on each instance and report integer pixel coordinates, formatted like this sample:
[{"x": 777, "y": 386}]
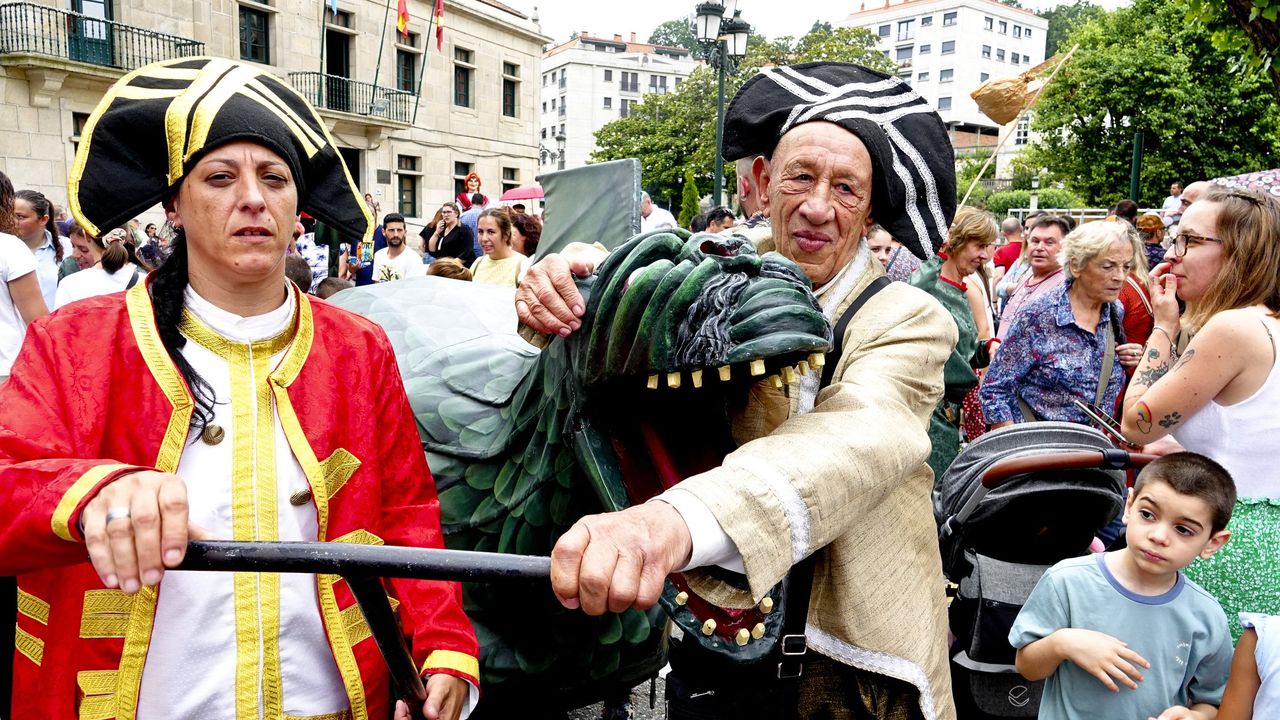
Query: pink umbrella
[{"x": 524, "y": 192}]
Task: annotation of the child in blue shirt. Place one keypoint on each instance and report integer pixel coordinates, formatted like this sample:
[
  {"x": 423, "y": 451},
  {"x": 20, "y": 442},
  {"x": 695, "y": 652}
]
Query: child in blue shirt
[{"x": 1124, "y": 634}]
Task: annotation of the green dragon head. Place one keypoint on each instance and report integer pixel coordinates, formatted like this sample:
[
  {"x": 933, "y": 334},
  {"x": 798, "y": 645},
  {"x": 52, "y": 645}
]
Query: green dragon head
[
  {"x": 668, "y": 308},
  {"x": 678, "y": 331}
]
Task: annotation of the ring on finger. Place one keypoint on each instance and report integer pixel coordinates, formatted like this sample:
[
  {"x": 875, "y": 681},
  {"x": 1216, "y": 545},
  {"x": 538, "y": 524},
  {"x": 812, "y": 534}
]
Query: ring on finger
[{"x": 117, "y": 513}]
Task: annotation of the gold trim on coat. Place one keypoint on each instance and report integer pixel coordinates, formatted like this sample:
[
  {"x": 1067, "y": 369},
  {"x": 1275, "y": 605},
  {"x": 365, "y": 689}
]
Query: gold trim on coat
[{"x": 71, "y": 499}]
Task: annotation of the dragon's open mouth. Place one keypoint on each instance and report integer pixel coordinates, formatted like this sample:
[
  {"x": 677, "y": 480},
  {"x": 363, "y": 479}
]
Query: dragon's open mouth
[{"x": 678, "y": 329}]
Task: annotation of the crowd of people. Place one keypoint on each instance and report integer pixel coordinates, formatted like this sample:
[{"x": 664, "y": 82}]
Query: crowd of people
[{"x": 1159, "y": 328}]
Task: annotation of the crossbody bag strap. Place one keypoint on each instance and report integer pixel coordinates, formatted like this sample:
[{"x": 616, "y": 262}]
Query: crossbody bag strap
[
  {"x": 800, "y": 578},
  {"x": 837, "y": 333},
  {"x": 133, "y": 280},
  {"x": 1108, "y": 361}
]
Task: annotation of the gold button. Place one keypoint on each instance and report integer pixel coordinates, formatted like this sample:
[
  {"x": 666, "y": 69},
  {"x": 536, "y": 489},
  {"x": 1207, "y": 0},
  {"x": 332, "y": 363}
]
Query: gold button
[
  {"x": 708, "y": 627},
  {"x": 743, "y": 637},
  {"x": 766, "y": 605},
  {"x": 757, "y": 632},
  {"x": 682, "y": 598},
  {"x": 213, "y": 434},
  {"x": 300, "y": 498}
]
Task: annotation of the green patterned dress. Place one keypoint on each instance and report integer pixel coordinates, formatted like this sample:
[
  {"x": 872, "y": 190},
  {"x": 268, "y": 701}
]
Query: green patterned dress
[{"x": 958, "y": 375}]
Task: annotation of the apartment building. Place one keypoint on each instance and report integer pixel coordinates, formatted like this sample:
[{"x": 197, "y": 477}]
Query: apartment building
[
  {"x": 589, "y": 81},
  {"x": 947, "y": 48},
  {"x": 411, "y": 120}
]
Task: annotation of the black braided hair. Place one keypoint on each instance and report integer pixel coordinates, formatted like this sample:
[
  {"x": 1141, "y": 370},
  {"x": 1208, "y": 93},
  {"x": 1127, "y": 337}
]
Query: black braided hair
[{"x": 168, "y": 286}]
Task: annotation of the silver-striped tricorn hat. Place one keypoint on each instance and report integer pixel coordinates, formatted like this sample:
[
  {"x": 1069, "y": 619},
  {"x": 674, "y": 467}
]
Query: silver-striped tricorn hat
[{"x": 913, "y": 193}]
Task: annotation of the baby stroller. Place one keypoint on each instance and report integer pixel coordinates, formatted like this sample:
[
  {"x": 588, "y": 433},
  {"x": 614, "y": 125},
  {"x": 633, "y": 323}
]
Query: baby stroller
[{"x": 1013, "y": 503}]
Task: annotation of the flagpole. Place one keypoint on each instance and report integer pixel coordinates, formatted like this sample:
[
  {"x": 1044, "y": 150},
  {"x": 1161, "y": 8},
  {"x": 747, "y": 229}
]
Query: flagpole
[
  {"x": 426, "y": 58},
  {"x": 377, "y": 68},
  {"x": 1016, "y": 120},
  {"x": 324, "y": 10}
]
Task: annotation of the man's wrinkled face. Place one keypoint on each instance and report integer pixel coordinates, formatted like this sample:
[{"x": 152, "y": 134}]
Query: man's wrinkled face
[{"x": 817, "y": 191}]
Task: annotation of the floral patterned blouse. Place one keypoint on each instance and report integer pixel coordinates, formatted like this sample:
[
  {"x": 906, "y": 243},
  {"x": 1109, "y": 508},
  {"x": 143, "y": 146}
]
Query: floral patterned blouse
[{"x": 1049, "y": 361}]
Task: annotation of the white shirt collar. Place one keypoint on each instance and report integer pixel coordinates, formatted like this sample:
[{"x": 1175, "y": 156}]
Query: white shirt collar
[{"x": 236, "y": 328}]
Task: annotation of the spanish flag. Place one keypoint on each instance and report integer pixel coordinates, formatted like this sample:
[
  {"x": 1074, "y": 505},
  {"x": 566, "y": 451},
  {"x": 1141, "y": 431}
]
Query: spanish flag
[
  {"x": 402, "y": 17},
  {"x": 439, "y": 15}
]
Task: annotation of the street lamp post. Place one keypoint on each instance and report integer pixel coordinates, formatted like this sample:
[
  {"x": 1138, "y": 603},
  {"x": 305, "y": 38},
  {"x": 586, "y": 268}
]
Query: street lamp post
[
  {"x": 555, "y": 156},
  {"x": 723, "y": 35}
]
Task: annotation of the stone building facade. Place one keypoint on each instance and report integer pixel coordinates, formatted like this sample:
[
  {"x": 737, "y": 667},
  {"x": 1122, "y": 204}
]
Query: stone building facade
[
  {"x": 476, "y": 111},
  {"x": 589, "y": 81}
]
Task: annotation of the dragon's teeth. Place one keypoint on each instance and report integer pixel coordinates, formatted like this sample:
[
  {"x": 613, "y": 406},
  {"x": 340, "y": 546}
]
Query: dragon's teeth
[
  {"x": 777, "y": 381},
  {"x": 788, "y": 375},
  {"x": 653, "y": 382},
  {"x": 725, "y": 373},
  {"x": 673, "y": 380},
  {"x": 696, "y": 377},
  {"x": 817, "y": 360},
  {"x": 757, "y": 367},
  {"x": 803, "y": 367}
]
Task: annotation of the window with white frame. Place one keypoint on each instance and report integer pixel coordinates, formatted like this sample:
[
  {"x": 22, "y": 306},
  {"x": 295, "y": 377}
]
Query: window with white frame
[
  {"x": 926, "y": 48},
  {"x": 948, "y": 47},
  {"x": 944, "y": 103},
  {"x": 946, "y": 75},
  {"x": 948, "y": 19}
]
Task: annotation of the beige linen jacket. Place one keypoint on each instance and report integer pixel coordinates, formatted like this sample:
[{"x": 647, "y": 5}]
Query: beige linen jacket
[{"x": 848, "y": 480}]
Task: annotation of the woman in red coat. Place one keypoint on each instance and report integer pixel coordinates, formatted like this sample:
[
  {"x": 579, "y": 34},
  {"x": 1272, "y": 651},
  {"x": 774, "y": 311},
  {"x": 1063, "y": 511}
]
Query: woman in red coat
[{"x": 212, "y": 400}]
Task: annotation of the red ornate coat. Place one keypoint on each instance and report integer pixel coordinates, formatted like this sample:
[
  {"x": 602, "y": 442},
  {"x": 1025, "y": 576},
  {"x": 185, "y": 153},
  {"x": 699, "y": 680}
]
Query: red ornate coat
[{"x": 93, "y": 395}]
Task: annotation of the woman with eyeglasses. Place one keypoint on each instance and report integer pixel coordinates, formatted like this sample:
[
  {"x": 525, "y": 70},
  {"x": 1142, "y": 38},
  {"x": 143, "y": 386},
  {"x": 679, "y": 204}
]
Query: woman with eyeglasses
[{"x": 1218, "y": 395}]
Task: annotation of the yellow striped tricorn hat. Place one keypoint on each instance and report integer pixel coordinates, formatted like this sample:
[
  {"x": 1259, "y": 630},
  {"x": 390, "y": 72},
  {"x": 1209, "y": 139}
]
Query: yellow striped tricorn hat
[{"x": 156, "y": 122}]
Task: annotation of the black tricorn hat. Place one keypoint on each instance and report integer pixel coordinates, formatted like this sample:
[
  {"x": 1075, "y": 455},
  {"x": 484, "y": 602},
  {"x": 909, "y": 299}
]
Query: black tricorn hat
[
  {"x": 156, "y": 122},
  {"x": 913, "y": 193}
]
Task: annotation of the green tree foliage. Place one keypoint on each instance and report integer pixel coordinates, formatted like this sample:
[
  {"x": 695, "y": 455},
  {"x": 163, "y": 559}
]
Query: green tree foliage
[
  {"x": 1145, "y": 68},
  {"x": 1247, "y": 29},
  {"x": 1064, "y": 19},
  {"x": 676, "y": 32},
  {"x": 676, "y": 131},
  {"x": 844, "y": 44},
  {"x": 689, "y": 202},
  {"x": 1000, "y": 203}
]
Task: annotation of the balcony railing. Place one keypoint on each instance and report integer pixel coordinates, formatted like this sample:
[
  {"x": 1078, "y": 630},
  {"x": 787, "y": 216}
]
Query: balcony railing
[
  {"x": 351, "y": 96},
  {"x": 41, "y": 30}
]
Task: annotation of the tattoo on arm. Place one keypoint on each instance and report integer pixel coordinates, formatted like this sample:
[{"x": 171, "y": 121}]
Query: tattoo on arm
[
  {"x": 1153, "y": 354},
  {"x": 1170, "y": 420},
  {"x": 1186, "y": 358},
  {"x": 1149, "y": 376},
  {"x": 1142, "y": 414}
]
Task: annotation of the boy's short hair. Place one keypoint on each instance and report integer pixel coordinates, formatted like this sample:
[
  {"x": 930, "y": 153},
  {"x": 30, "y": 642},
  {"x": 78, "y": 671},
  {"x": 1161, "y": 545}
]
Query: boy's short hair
[
  {"x": 1195, "y": 475},
  {"x": 297, "y": 270},
  {"x": 392, "y": 218},
  {"x": 449, "y": 268},
  {"x": 331, "y": 286}
]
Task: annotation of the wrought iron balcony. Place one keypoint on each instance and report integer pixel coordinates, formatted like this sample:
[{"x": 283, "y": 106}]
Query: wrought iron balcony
[
  {"x": 350, "y": 96},
  {"x": 41, "y": 30}
]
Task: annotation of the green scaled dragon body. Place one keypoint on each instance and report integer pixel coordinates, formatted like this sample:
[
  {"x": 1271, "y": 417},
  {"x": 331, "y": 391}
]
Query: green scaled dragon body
[{"x": 523, "y": 442}]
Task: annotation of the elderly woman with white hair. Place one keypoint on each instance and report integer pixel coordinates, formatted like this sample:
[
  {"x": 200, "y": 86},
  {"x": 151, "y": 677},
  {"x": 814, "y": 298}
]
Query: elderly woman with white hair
[{"x": 1068, "y": 345}]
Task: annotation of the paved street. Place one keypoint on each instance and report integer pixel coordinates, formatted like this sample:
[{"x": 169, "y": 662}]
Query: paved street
[{"x": 639, "y": 705}]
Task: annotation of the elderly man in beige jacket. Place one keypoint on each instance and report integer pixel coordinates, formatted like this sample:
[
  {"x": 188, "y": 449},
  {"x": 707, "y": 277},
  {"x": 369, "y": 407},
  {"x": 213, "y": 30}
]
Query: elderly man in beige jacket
[{"x": 838, "y": 470}]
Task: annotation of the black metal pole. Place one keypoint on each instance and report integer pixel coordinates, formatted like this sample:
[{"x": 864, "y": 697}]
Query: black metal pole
[
  {"x": 717, "y": 164},
  {"x": 363, "y": 560},
  {"x": 372, "y": 598}
]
